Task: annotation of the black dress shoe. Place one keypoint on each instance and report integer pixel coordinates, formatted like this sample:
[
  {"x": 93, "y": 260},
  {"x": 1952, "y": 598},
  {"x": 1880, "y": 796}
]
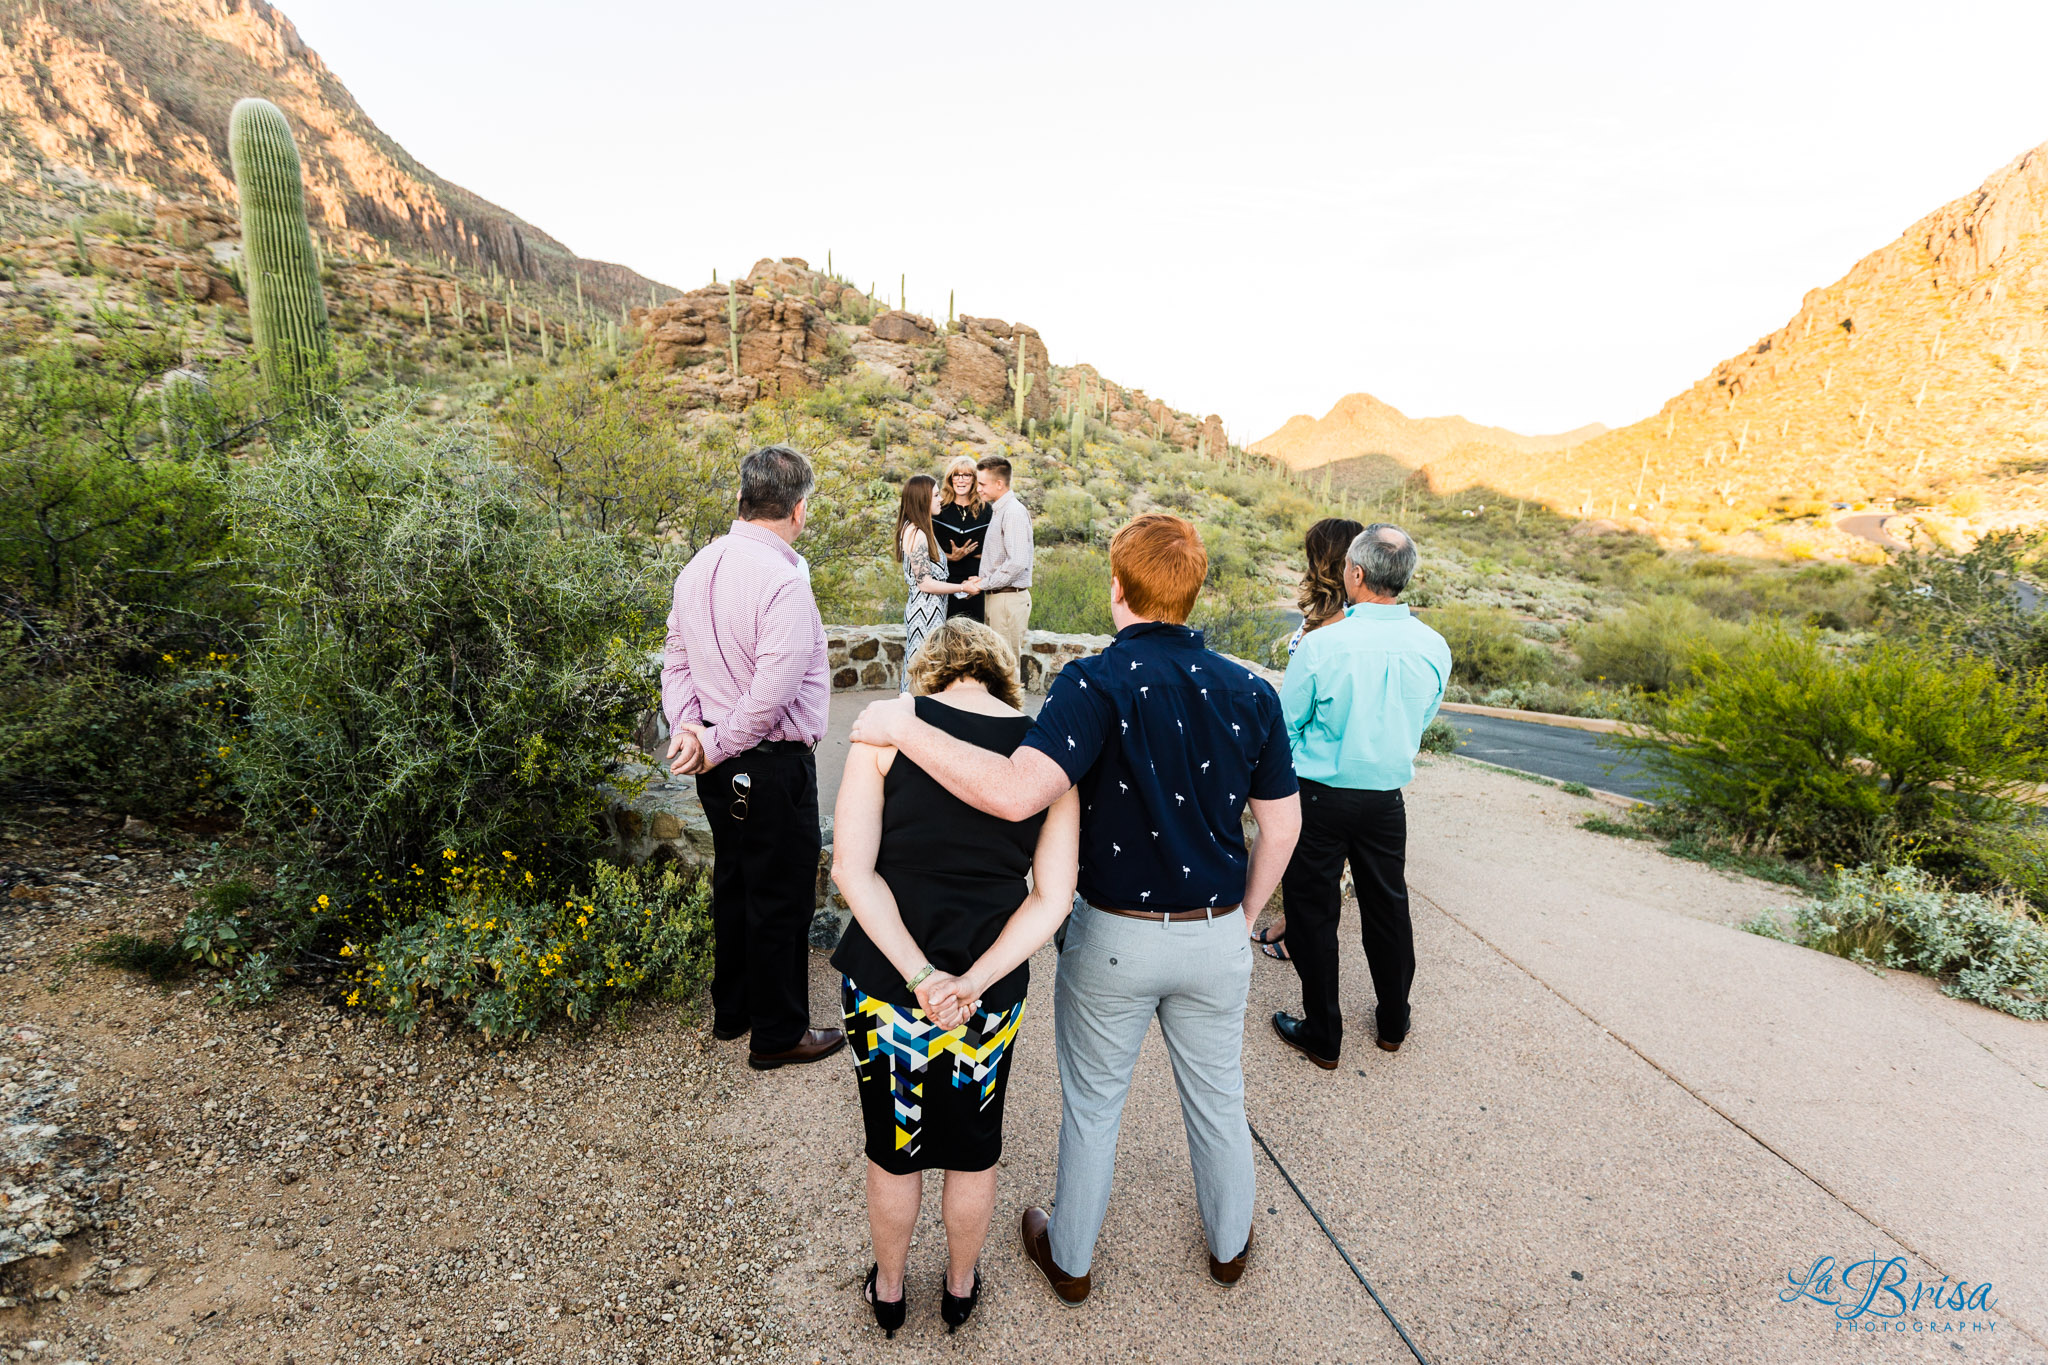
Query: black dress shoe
[
  {"x": 956, "y": 1309},
  {"x": 1289, "y": 1028},
  {"x": 729, "y": 1035},
  {"x": 888, "y": 1313},
  {"x": 815, "y": 1045}
]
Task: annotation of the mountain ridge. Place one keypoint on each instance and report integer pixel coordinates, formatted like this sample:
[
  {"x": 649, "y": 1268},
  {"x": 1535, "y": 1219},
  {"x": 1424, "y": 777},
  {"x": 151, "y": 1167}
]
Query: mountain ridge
[
  {"x": 101, "y": 102},
  {"x": 1360, "y": 425},
  {"x": 1916, "y": 380}
]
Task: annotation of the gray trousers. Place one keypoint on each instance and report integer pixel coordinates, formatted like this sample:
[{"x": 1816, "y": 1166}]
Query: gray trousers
[{"x": 1115, "y": 975}]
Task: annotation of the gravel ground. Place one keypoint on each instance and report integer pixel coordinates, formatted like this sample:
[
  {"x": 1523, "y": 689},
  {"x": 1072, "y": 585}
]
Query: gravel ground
[{"x": 296, "y": 1183}]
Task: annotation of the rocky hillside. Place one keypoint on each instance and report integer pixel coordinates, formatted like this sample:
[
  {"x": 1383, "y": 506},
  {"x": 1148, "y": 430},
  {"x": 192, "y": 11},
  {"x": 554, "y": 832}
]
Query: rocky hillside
[
  {"x": 119, "y": 103},
  {"x": 798, "y": 327},
  {"x": 1917, "y": 382},
  {"x": 1362, "y": 427}
]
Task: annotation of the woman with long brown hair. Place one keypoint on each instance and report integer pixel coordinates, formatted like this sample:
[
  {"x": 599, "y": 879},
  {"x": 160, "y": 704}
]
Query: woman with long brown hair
[
  {"x": 1322, "y": 600},
  {"x": 924, "y": 610},
  {"x": 962, "y": 523}
]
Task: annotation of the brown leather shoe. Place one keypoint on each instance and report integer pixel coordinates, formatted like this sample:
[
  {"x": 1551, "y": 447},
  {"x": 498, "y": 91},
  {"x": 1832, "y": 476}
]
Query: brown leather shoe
[
  {"x": 1386, "y": 1046},
  {"x": 1289, "y": 1029},
  {"x": 1072, "y": 1290},
  {"x": 815, "y": 1044},
  {"x": 1228, "y": 1273}
]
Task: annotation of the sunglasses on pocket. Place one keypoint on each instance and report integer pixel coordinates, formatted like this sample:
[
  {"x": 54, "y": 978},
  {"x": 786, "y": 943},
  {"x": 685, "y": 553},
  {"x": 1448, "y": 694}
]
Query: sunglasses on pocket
[{"x": 742, "y": 788}]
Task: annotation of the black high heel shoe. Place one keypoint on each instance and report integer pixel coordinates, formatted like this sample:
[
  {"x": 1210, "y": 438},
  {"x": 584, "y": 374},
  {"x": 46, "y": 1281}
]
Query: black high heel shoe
[
  {"x": 956, "y": 1310},
  {"x": 889, "y": 1316}
]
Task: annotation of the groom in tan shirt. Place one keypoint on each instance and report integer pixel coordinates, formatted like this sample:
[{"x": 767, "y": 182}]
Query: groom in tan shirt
[{"x": 1005, "y": 554}]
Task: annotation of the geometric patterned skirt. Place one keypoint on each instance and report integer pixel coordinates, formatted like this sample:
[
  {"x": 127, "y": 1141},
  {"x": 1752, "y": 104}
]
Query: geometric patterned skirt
[{"x": 930, "y": 1098}]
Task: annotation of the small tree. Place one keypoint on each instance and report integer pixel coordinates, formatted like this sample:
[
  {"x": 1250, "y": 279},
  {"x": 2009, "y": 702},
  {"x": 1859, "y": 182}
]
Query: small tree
[{"x": 1894, "y": 754}]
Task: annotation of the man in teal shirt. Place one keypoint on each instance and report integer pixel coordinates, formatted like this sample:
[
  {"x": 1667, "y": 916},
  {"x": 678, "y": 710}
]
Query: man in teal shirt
[{"x": 1356, "y": 699}]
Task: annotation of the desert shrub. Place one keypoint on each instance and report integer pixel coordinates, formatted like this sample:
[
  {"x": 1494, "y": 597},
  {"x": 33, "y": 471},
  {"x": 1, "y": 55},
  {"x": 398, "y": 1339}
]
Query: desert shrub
[
  {"x": 1983, "y": 948},
  {"x": 1069, "y": 513},
  {"x": 1486, "y": 648},
  {"x": 509, "y": 960},
  {"x": 1657, "y": 645},
  {"x": 1070, "y": 591},
  {"x": 113, "y": 552},
  {"x": 610, "y": 456},
  {"x": 438, "y": 666},
  {"x": 1970, "y": 603},
  {"x": 1438, "y": 737},
  {"x": 1237, "y": 616},
  {"x": 1892, "y": 753}
]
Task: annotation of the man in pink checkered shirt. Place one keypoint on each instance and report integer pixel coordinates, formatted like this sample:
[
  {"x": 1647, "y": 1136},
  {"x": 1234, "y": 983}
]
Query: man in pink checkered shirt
[{"x": 746, "y": 698}]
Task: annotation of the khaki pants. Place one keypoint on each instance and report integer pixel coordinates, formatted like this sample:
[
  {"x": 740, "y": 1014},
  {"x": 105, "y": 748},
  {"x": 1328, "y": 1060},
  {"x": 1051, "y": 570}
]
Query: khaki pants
[{"x": 1009, "y": 615}]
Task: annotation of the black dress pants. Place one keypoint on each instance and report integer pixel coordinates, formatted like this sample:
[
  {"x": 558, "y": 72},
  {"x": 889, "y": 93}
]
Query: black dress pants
[
  {"x": 764, "y": 878},
  {"x": 1371, "y": 829}
]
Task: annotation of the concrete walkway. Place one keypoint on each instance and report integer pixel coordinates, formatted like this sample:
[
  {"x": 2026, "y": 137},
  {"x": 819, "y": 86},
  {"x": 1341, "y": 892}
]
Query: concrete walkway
[{"x": 1620, "y": 1122}]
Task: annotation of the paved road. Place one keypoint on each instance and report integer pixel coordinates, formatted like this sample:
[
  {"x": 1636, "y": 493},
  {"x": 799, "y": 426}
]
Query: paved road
[
  {"x": 1565, "y": 755},
  {"x": 1618, "y": 1125},
  {"x": 1870, "y": 526}
]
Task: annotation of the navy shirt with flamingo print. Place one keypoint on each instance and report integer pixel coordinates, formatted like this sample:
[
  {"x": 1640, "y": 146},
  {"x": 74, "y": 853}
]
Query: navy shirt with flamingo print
[{"x": 1166, "y": 741}]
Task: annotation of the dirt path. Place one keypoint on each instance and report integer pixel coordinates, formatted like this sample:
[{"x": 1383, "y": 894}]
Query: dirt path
[{"x": 293, "y": 1184}]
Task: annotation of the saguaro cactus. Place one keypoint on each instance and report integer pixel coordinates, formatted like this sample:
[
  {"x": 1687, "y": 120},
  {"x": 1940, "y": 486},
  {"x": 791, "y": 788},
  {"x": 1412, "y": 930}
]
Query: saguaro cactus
[
  {"x": 287, "y": 311},
  {"x": 732, "y": 326},
  {"x": 1020, "y": 382}
]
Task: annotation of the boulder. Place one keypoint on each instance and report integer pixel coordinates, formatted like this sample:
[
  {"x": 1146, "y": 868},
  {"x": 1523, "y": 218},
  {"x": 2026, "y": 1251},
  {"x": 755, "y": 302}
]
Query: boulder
[
  {"x": 909, "y": 328},
  {"x": 195, "y": 222},
  {"x": 973, "y": 370}
]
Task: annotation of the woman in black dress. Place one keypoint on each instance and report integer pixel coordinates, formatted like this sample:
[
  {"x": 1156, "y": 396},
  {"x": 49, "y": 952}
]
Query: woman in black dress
[
  {"x": 935, "y": 960},
  {"x": 962, "y": 524}
]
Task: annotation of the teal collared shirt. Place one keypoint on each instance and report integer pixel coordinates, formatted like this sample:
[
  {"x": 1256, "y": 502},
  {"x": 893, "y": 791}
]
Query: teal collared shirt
[{"x": 1359, "y": 693}]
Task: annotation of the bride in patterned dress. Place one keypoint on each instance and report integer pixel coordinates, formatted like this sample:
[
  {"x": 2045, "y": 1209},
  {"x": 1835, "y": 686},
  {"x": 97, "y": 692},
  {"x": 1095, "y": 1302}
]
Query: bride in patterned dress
[{"x": 924, "y": 574}]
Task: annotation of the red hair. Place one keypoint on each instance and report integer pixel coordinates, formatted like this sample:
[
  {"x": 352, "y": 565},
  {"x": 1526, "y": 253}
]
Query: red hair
[{"x": 1160, "y": 561}]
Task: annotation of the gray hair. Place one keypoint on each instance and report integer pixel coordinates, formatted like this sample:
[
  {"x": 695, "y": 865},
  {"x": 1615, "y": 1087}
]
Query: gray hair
[
  {"x": 1385, "y": 555},
  {"x": 773, "y": 480}
]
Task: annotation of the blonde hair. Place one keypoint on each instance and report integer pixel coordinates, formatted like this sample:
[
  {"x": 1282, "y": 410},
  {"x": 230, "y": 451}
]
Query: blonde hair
[
  {"x": 963, "y": 464},
  {"x": 964, "y": 648}
]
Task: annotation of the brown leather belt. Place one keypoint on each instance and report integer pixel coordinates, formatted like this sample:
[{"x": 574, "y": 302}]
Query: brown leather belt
[
  {"x": 998, "y": 592},
  {"x": 1169, "y": 916}
]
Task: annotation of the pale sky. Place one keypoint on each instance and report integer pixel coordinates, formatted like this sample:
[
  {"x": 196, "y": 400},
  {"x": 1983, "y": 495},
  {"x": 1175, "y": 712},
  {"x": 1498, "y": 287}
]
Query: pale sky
[{"x": 1534, "y": 216}]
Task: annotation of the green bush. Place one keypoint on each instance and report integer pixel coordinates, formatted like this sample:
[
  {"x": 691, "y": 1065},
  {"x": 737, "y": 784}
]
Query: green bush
[
  {"x": 1657, "y": 645},
  {"x": 1969, "y": 603},
  {"x": 1069, "y": 513},
  {"x": 114, "y": 552},
  {"x": 1983, "y": 948},
  {"x": 438, "y": 667},
  {"x": 1895, "y": 753},
  {"x": 1070, "y": 591},
  {"x": 509, "y": 961},
  {"x": 1487, "y": 650},
  {"x": 1438, "y": 737}
]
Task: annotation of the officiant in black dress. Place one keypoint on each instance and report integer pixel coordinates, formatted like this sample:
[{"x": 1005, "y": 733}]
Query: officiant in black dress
[{"x": 962, "y": 525}]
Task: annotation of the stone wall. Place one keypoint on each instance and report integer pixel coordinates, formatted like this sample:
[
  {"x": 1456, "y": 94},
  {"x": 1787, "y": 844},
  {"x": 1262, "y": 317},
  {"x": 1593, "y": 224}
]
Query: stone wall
[{"x": 870, "y": 658}]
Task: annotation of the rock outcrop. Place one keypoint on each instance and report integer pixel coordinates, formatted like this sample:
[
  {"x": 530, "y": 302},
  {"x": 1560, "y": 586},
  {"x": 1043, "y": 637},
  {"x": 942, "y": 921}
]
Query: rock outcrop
[{"x": 779, "y": 338}]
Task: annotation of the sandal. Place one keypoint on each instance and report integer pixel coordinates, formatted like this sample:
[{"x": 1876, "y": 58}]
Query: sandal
[
  {"x": 1273, "y": 945},
  {"x": 956, "y": 1310},
  {"x": 888, "y": 1316}
]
